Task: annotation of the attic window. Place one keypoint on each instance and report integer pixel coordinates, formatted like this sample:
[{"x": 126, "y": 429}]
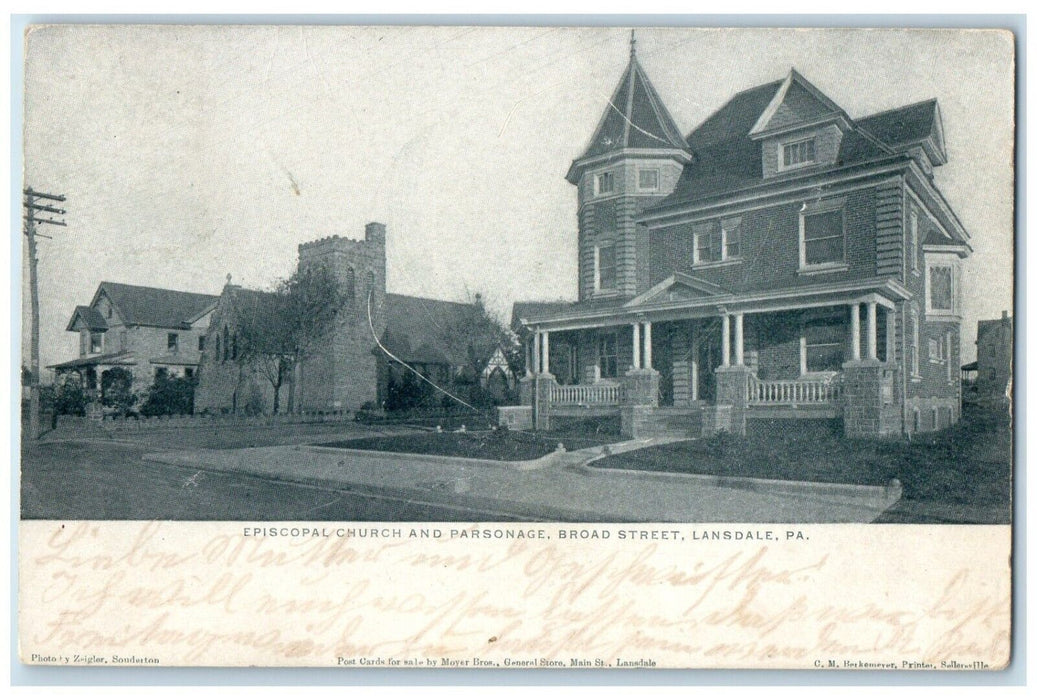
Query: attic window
[
  {"x": 799, "y": 153},
  {"x": 604, "y": 183}
]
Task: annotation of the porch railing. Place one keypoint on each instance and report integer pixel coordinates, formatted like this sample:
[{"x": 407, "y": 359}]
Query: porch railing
[
  {"x": 600, "y": 394},
  {"x": 808, "y": 390}
]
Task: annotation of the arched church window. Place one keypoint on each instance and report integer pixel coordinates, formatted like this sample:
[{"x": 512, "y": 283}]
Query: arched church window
[{"x": 350, "y": 283}]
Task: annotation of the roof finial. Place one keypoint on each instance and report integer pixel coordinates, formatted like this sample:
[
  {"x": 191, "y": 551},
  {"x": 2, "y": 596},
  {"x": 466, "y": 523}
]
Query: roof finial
[
  {"x": 228, "y": 278},
  {"x": 633, "y": 44}
]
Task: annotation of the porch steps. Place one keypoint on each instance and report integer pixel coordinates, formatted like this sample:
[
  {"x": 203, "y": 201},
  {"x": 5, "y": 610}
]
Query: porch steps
[{"x": 672, "y": 423}]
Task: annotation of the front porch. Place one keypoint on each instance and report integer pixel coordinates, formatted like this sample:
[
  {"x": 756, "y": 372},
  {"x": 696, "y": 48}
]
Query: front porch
[{"x": 704, "y": 374}]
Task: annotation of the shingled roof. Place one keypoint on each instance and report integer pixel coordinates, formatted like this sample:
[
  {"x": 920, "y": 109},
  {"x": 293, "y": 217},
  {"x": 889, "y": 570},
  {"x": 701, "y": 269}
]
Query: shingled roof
[
  {"x": 420, "y": 330},
  {"x": 532, "y": 311},
  {"x": 904, "y": 124},
  {"x": 152, "y": 306},
  {"x": 635, "y": 117},
  {"x": 727, "y": 157},
  {"x": 90, "y": 316}
]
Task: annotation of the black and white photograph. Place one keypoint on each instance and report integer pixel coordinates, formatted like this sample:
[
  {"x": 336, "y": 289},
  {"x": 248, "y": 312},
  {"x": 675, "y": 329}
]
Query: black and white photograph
[{"x": 611, "y": 285}]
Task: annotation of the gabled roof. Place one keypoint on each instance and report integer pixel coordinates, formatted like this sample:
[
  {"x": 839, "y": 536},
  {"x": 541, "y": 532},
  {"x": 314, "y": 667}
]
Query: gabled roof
[
  {"x": 91, "y": 318},
  {"x": 153, "y": 306},
  {"x": 796, "y": 102},
  {"x": 727, "y": 145},
  {"x": 679, "y": 286},
  {"x": 635, "y": 117},
  {"x": 427, "y": 330},
  {"x": 915, "y": 124}
]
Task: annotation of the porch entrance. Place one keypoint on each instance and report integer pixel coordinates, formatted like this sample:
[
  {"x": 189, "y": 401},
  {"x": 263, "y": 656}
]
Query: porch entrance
[{"x": 707, "y": 351}]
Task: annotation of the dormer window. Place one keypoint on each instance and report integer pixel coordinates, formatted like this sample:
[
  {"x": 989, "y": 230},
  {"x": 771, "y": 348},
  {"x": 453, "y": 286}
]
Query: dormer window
[
  {"x": 799, "y": 153},
  {"x": 648, "y": 179},
  {"x": 604, "y": 183}
]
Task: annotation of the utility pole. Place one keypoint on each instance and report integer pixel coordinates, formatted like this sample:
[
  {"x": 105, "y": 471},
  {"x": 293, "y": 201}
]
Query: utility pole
[{"x": 32, "y": 208}]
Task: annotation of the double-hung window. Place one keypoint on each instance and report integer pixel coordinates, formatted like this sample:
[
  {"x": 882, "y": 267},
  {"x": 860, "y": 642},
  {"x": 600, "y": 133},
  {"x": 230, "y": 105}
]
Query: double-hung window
[
  {"x": 648, "y": 179},
  {"x": 717, "y": 240},
  {"x": 799, "y": 153},
  {"x": 940, "y": 289},
  {"x": 605, "y": 267},
  {"x": 604, "y": 183},
  {"x": 822, "y": 236},
  {"x": 824, "y": 344}
]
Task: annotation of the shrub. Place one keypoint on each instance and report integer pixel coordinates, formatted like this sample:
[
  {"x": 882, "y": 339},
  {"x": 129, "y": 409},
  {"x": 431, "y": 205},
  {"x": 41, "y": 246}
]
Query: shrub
[
  {"x": 116, "y": 385},
  {"x": 169, "y": 396},
  {"x": 70, "y": 399}
]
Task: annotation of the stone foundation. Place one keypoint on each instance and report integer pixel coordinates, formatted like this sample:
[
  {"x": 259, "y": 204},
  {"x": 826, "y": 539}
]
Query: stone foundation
[
  {"x": 515, "y": 417},
  {"x": 733, "y": 392},
  {"x": 869, "y": 409}
]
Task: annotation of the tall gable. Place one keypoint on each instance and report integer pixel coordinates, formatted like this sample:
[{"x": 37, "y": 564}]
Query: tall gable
[{"x": 797, "y": 103}]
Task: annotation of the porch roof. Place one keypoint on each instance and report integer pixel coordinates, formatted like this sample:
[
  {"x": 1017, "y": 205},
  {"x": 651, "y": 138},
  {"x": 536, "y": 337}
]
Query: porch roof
[
  {"x": 657, "y": 305},
  {"x": 112, "y": 358}
]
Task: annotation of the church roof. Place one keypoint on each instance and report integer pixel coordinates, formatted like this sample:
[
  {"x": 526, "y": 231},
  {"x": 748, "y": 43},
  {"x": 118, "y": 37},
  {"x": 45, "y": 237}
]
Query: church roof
[
  {"x": 424, "y": 330},
  {"x": 635, "y": 117}
]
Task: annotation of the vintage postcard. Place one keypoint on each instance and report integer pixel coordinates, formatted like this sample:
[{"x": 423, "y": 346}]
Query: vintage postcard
[{"x": 517, "y": 347}]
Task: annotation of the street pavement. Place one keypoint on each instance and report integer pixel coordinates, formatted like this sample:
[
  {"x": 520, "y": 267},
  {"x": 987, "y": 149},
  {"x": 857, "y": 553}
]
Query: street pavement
[
  {"x": 559, "y": 487},
  {"x": 69, "y": 477}
]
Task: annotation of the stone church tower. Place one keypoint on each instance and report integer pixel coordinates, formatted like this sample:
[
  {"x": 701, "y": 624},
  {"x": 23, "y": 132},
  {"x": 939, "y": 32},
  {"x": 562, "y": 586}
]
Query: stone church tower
[
  {"x": 342, "y": 374},
  {"x": 633, "y": 161}
]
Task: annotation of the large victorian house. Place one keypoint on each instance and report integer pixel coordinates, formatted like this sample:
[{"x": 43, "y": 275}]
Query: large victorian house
[{"x": 783, "y": 260}]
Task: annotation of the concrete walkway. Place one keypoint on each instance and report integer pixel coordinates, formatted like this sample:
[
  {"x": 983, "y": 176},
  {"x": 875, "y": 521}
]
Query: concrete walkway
[{"x": 558, "y": 487}]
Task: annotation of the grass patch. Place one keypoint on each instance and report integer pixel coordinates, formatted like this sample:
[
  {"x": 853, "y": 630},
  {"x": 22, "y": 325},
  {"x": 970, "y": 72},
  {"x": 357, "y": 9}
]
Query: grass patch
[
  {"x": 968, "y": 464},
  {"x": 500, "y": 445}
]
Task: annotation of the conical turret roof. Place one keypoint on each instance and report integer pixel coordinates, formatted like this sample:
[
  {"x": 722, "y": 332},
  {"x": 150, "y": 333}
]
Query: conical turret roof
[{"x": 634, "y": 117}]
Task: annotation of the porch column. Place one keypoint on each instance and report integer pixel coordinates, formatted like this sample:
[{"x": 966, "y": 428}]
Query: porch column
[
  {"x": 725, "y": 341},
  {"x": 694, "y": 365},
  {"x": 529, "y": 356},
  {"x": 739, "y": 349},
  {"x": 855, "y": 331},
  {"x": 545, "y": 346},
  {"x": 648, "y": 345},
  {"x": 536, "y": 352},
  {"x": 872, "y": 331},
  {"x": 637, "y": 346}
]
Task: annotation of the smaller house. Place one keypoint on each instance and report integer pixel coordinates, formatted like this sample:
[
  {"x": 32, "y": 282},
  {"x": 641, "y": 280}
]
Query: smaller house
[
  {"x": 994, "y": 345},
  {"x": 148, "y": 331}
]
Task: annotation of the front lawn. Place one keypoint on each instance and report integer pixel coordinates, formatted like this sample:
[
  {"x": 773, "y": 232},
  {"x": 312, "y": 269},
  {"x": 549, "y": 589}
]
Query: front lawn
[
  {"x": 500, "y": 445},
  {"x": 968, "y": 464}
]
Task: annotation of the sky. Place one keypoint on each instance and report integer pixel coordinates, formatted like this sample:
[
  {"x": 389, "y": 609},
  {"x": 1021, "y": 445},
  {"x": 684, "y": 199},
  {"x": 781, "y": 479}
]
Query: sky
[{"x": 191, "y": 153}]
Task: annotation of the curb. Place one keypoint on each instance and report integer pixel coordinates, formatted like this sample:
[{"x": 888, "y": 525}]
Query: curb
[
  {"x": 550, "y": 459},
  {"x": 434, "y": 497},
  {"x": 803, "y": 489}
]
